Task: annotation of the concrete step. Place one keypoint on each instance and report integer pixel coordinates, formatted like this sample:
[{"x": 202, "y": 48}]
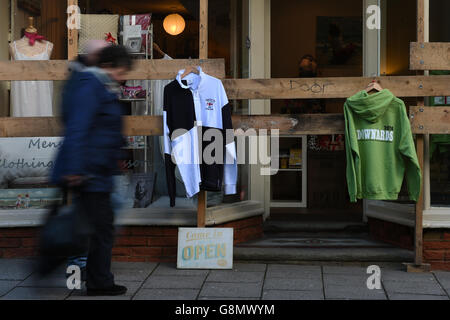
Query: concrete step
[
  {"x": 323, "y": 255},
  {"x": 276, "y": 226}
]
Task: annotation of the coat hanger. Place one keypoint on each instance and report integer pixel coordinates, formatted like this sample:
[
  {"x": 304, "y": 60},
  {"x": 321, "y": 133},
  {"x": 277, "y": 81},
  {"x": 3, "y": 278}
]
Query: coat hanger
[
  {"x": 190, "y": 69},
  {"x": 373, "y": 86}
]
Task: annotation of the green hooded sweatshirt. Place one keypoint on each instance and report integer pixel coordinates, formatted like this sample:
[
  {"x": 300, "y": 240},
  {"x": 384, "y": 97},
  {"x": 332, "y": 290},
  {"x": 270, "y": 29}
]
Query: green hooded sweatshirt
[{"x": 379, "y": 147}]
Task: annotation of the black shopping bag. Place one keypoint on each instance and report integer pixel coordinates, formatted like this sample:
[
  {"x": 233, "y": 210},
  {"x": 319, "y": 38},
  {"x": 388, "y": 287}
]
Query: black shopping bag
[{"x": 65, "y": 233}]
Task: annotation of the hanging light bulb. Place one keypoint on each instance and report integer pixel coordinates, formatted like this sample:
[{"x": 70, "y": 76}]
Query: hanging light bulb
[{"x": 174, "y": 24}]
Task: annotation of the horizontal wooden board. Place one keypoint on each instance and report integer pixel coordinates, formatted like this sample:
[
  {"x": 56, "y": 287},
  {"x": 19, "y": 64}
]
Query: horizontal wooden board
[
  {"x": 424, "y": 120},
  {"x": 320, "y": 88},
  {"x": 293, "y": 124},
  {"x": 51, "y": 126},
  {"x": 430, "y": 56},
  {"x": 430, "y": 120},
  {"x": 143, "y": 69},
  {"x": 152, "y": 125}
]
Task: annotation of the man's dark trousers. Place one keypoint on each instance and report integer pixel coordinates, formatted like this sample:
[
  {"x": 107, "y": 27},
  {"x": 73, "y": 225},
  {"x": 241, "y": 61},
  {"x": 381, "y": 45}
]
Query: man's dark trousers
[{"x": 98, "y": 210}]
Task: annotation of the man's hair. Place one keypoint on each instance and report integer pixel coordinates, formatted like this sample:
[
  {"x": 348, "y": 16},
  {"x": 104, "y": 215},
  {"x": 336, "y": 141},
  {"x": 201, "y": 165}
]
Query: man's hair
[
  {"x": 308, "y": 57},
  {"x": 115, "y": 57}
]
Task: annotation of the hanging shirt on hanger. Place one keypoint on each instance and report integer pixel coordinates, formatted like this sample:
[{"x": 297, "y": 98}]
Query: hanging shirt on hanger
[
  {"x": 198, "y": 102},
  {"x": 380, "y": 148}
]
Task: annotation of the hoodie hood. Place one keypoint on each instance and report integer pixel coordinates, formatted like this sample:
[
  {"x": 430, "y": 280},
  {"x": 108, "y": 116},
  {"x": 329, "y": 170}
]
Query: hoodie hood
[{"x": 370, "y": 107}]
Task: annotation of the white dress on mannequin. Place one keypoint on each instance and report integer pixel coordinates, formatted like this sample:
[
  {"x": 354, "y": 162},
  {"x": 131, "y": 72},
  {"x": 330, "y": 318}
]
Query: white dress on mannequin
[{"x": 31, "y": 98}]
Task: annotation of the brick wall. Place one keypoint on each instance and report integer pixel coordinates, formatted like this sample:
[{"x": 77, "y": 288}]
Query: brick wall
[
  {"x": 436, "y": 242},
  {"x": 18, "y": 242},
  {"x": 157, "y": 244},
  {"x": 436, "y": 248}
]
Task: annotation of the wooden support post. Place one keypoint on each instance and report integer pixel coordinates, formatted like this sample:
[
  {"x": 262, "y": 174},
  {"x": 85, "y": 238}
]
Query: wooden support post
[
  {"x": 201, "y": 210},
  {"x": 203, "y": 52},
  {"x": 418, "y": 265},
  {"x": 203, "y": 29},
  {"x": 72, "y": 52},
  {"x": 72, "y": 33}
]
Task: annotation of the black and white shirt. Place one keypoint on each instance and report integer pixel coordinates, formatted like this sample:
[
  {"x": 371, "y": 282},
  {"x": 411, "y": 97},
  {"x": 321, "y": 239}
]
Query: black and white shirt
[{"x": 192, "y": 107}]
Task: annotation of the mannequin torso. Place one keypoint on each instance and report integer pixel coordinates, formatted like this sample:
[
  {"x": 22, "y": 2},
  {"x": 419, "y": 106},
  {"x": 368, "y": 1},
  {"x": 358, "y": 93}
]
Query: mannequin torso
[{"x": 24, "y": 47}]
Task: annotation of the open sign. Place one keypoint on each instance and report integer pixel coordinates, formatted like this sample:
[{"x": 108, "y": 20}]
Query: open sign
[{"x": 205, "y": 248}]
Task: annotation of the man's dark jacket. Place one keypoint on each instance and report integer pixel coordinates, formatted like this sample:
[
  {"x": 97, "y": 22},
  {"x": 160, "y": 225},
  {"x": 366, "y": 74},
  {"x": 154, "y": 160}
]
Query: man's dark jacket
[{"x": 91, "y": 115}]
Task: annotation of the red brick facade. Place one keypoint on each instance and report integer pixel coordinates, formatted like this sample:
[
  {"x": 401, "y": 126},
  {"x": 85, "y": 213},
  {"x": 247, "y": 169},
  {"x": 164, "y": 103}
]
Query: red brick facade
[
  {"x": 157, "y": 244},
  {"x": 436, "y": 248},
  {"x": 436, "y": 242}
]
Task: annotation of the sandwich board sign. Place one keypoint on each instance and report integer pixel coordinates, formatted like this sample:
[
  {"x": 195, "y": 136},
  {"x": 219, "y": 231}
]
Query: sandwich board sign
[{"x": 205, "y": 248}]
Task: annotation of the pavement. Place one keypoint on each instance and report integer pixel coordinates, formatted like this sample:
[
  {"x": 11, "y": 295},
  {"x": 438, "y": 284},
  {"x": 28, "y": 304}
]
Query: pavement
[{"x": 247, "y": 281}]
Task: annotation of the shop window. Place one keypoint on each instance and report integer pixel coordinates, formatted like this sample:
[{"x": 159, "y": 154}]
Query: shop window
[
  {"x": 25, "y": 163},
  {"x": 439, "y": 156}
]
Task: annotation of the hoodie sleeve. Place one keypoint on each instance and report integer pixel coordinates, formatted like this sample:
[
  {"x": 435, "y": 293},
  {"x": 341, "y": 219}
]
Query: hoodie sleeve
[
  {"x": 230, "y": 163},
  {"x": 170, "y": 166},
  {"x": 352, "y": 154},
  {"x": 408, "y": 151}
]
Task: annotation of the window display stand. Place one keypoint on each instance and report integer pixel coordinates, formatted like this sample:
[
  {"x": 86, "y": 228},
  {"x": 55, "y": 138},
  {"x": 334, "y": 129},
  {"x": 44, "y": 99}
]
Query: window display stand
[{"x": 149, "y": 101}]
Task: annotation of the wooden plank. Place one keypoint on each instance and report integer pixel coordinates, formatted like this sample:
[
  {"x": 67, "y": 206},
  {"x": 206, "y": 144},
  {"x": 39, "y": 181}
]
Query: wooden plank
[
  {"x": 321, "y": 88},
  {"x": 52, "y": 127},
  {"x": 30, "y": 127},
  {"x": 296, "y": 88},
  {"x": 430, "y": 56},
  {"x": 301, "y": 124},
  {"x": 203, "y": 54},
  {"x": 201, "y": 210},
  {"x": 418, "y": 239},
  {"x": 422, "y": 36},
  {"x": 34, "y": 70},
  {"x": 434, "y": 120},
  {"x": 203, "y": 36},
  {"x": 150, "y": 69},
  {"x": 152, "y": 125},
  {"x": 72, "y": 35},
  {"x": 420, "y": 20},
  {"x": 426, "y": 120}
]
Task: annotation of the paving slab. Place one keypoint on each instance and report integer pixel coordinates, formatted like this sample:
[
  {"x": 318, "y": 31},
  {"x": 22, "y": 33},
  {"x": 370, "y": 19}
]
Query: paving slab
[
  {"x": 16, "y": 269},
  {"x": 231, "y": 290},
  {"x": 351, "y": 270},
  {"x": 132, "y": 288},
  {"x": 442, "y": 274},
  {"x": 353, "y": 293},
  {"x": 294, "y": 272},
  {"x": 396, "y": 275},
  {"x": 51, "y": 281},
  {"x": 118, "y": 265},
  {"x": 293, "y": 267},
  {"x": 235, "y": 276},
  {"x": 227, "y": 298},
  {"x": 249, "y": 267},
  {"x": 404, "y": 296},
  {"x": 166, "y": 294},
  {"x": 25, "y": 293},
  {"x": 164, "y": 269},
  {"x": 443, "y": 278},
  {"x": 414, "y": 287},
  {"x": 293, "y": 284},
  {"x": 6, "y": 286},
  {"x": 292, "y": 295},
  {"x": 131, "y": 274},
  {"x": 345, "y": 280},
  {"x": 171, "y": 282}
]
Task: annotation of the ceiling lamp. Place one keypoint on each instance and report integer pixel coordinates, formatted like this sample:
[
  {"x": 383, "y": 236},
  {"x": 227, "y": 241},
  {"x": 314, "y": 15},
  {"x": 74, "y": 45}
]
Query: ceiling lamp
[{"x": 174, "y": 24}]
